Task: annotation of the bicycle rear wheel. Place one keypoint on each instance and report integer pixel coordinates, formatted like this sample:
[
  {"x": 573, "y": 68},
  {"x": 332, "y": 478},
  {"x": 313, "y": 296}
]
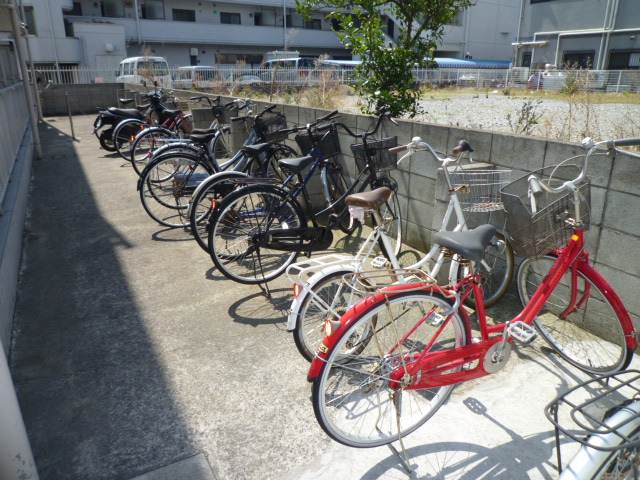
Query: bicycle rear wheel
[
  {"x": 125, "y": 134},
  {"x": 589, "y": 335},
  {"x": 205, "y": 200},
  {"x": 352, "y": 396},
  {"x": 166, "y": 186},
  {"x": 145, "y": 144},
  {"x": 328, "y": 295},
  {"x": 335, "y": 186},
  {"x": 496, "y": 272},
  {"x": 241, "y": 221}
]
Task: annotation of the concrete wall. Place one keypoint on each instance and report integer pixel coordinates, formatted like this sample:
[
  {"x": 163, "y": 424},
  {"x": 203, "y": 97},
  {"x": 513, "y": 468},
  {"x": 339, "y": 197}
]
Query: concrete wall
[{"x": 83, "y": 99}]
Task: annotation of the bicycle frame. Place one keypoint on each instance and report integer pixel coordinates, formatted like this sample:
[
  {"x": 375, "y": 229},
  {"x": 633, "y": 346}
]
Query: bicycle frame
[{"x": 430, "y": 370}]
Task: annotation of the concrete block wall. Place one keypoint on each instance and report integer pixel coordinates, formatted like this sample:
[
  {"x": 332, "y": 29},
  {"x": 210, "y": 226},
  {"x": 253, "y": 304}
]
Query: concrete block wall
[
  {"x": 83, "y": 99},
  {"x": 614, "y": 233}
]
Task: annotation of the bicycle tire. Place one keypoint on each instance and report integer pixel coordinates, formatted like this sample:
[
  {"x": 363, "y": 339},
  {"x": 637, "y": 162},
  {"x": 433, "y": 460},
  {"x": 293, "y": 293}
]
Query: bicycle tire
[
  {"x": 204, "y": 200},
  {"x": 590, "y": 463},
  {"x": 106, "y": 140},
  {"x": 591, "y": 336},
  {"x": 145, "y": 144},
  {"x": 334, "y": 186},
  {"x": 327, "y": 294},
  {"x": 352, "y": 399},
  {"x": 166, "y": 185},
  {"x": 239, "y": 219},
  {"x": 222, "y": 145},
  {"x": 495, "y": 282},
  {"x": 124, "y": 135},
  {"x": 277, "y": 152}
]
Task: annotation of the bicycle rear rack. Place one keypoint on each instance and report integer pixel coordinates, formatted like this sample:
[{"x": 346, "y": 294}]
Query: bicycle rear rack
[{"x": 585, "y": 409}]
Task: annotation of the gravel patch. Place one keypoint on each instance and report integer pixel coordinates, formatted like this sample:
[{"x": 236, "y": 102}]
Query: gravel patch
[{"x": 555, "y": 119}]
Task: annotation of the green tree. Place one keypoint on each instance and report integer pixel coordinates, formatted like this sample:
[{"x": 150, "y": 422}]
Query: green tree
[{"x": 385, "y": 75}]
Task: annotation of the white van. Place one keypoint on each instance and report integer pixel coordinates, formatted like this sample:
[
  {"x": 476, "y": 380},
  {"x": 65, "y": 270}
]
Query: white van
[
  {"x": 200, "y": 76},
  {"x": 288, "y": 70},
  {"x": 148, "y": 69}
]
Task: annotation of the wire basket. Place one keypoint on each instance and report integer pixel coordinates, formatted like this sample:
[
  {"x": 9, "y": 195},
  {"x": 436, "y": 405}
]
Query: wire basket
[
  {"x": 224, "y": 114},
  {"x": 269, "y": 124},
  {"x": 536, "y": 234},
  {"x": 378, "y": 152},
  {"x": 328, "y": 143},
  {"x": 479, "y": 190}
]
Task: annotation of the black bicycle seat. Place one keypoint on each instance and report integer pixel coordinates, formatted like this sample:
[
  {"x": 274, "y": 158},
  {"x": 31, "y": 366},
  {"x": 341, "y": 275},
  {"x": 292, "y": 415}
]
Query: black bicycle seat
[{"x": 470, "y": 244}]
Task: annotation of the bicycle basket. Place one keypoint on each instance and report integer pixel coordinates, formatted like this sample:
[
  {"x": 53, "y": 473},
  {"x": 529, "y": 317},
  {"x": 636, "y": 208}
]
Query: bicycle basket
[
  {"x": 536, "y": 234},
  {"x": 378, "y": 152},
  {"x": 268, "y": 125},
  {"x": 224, "y": 114},
  {"x": 480, "y": 188},
  {"x": 328, "y": 143}
]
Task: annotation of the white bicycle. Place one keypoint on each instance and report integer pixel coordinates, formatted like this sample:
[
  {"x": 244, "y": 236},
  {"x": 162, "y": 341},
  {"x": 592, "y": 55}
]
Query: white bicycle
[{"x": 320, "y": 293}]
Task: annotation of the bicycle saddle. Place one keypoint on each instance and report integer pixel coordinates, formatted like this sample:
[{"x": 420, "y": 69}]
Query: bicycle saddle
[
  {"x": 203, "y": 131},
  {"x": 256, "y": 148},
  {"x": 202, "y": 137},
  {"x": 296, "y": 165},
  {"x": 372, "y": 200},
  {"x": 470, "y": 244},
  {"x": 127, "y": 112}
]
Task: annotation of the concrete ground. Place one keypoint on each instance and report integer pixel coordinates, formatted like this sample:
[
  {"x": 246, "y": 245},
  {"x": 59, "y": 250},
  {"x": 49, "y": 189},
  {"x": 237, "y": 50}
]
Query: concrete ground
[{"x": 134, "y": 358}]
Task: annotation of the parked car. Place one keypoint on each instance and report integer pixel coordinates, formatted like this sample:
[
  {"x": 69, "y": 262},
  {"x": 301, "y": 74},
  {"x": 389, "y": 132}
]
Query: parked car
[
  {"x": 200, "y": 77},
  {"x": 147, "y": 69}
]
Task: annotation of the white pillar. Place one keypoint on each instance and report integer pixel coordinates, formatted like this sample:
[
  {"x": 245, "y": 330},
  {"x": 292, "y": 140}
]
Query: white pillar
[{"x": 16, "y": 459}]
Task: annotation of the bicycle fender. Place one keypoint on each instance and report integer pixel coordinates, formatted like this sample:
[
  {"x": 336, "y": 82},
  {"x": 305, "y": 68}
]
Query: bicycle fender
[
  {"x": 315, "y": 278},
  {"x": 218, "y": 177},
  {"x": 589, "y": 461},
  {"x": 345, "y": 322},
  {"x": 616, "y": 302}
]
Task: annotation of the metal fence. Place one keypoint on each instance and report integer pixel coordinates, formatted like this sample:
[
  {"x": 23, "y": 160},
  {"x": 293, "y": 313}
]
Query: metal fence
[{"x": 609, "y": 81}]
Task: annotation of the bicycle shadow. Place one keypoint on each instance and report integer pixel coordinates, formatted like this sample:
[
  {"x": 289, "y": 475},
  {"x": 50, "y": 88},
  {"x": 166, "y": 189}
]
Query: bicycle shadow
[
  {"x": 178, "y": 234},
  {"x": 259, "y": 309}
]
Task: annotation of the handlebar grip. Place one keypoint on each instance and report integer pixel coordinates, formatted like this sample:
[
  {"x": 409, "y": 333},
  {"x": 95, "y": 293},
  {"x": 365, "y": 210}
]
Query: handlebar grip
[
  {"x": 230, "y": 104},
  {"x": 463, "y": 146},
  {"x": 269, "y": 108},
  {"x": 326, "y": 126},
  {"x": 333, "y": 114},
  {"x": 401, "y": 148},
  {"x": 534, "y": 185},
  {"x": 623, "y": 142}
]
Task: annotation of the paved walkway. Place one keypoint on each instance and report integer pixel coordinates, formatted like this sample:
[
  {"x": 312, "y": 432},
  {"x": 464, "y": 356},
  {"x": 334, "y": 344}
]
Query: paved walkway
[{"x": 133, "y": 358}]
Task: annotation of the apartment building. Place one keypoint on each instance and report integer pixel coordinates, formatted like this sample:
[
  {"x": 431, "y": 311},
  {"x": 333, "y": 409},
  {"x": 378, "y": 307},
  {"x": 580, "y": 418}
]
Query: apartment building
[
  {"x": 100, "y": 33},
  {"x": 598, "y": 34}
]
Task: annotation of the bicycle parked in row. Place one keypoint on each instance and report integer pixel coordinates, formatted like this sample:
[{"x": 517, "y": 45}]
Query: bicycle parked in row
[
  {"x": 392, "y": 360},
  {"x": 320, "y": 293},
  {"x": 257, "y": 231},
  {"x": 167, "y": 183}
]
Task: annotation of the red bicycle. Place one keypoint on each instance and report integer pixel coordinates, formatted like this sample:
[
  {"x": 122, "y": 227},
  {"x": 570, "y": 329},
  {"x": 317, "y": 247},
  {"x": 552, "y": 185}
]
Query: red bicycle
[{"x": 393, "y": 359}]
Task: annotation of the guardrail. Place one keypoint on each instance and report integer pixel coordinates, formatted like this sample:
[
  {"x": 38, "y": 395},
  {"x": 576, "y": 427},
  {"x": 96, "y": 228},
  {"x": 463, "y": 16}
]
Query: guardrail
[{"x": 608, "y": 81}]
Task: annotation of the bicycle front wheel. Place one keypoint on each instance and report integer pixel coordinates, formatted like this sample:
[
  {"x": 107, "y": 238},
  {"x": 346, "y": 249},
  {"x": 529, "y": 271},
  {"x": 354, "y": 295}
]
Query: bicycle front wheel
[
  {"x": 241, "y": 223},
  {"x": 578, "y": 321},
  {"x": 166, "y": 186},
  {"x": 125, "y": 134},
  {"x": 353, "y": 398}
]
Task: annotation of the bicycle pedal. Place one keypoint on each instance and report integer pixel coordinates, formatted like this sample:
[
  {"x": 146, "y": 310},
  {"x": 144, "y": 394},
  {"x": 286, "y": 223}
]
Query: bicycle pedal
[
  {"x": 522, "y": 332},
  {"x": 379, "y": 262}
]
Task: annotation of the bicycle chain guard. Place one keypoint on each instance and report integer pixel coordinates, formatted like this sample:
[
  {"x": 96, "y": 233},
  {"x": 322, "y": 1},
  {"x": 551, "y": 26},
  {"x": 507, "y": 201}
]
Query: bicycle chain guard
[{"x": 304, "y": 239}]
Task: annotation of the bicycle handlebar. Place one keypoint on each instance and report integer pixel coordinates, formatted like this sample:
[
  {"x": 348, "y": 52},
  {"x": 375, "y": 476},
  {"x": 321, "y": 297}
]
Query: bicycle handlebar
[
  {"x": 417, "y": 145},
  {"x": 536, "y": 184}
]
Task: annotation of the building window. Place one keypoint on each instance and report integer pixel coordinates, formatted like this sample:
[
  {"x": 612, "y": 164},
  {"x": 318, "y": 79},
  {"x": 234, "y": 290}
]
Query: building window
[
  {"x": 295, "y": 20},
  {"x": 112, "y": 8},
  {"x": 313, "y": 24},
  {"x": 624, "y": 59},
  {"x": 526, "y": 59},
  {"x": 30, "y": 20},
  {"x": 230, "y": 18},
  {"x": 266, "y": 17},
  {"x": 180, "y": 15},
  {"x": 152, "y": 9},
  {"x": 583, "y": 59}
]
